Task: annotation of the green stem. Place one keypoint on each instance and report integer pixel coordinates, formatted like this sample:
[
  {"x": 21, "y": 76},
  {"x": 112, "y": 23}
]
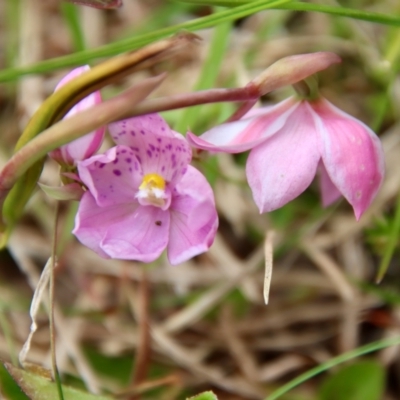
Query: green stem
[
  {"x": 71, "y": 16},
  {"x": 140, "y": 41},
  {"x": 56, "y": 374},
  {"x": 369, "y": 348}
]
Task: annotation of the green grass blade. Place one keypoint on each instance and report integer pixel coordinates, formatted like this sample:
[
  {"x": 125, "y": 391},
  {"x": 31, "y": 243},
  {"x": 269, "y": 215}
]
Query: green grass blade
[
  {"x": 392, "y": 243},
  {"x": 369, "y": 348},
  {"x": 71, "y": 17},
  {"x": 209, "y": 73},
  {"x": 300, "y": 6},
  {"x": 136, "y": 42}
]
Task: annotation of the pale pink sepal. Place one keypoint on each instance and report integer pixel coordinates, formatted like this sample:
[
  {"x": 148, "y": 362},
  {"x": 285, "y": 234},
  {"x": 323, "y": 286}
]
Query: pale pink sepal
[
  {"x": 282, "y": 167},
  {"x": 329, "y": 192},
  {"x": 352, "y": 155},
  {"x": 86, "y": 146},
  {"x": 246, "y": 133},
  {"x": 194, "y": 219}
]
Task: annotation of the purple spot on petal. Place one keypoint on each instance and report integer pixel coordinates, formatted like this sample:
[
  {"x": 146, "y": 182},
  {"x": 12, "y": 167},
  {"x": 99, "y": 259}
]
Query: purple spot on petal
[
  {"x": 115, "y": 161},
  {"x": 152, "y": 148},
  {"x": 139, "y": 159},
  {"x": 142, "y": 132},
  {"x": 136, "y": 166},
  {"x": 102, "y": 165},
  {"x": 133, "y": 133},
  {"x": 123, "y": 151},
  {"x": 159, "y": 140},
  {"x": 117, "y": 172},
  {"x": 163, "y": 129},
  {"x": 163, "y": 168},
  {"x": 130, "y": 169},
  {"x": 149, "y": 153},
  {"x": 128, "y": 160}
]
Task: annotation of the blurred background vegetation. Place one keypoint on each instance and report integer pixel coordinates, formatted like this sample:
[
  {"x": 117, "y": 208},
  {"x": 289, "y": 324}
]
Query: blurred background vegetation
[{"x": 133, "y": 331}]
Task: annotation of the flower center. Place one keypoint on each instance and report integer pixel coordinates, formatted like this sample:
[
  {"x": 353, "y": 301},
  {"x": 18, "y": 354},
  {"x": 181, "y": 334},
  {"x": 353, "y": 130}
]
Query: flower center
[{"x": 152, "y": 190}]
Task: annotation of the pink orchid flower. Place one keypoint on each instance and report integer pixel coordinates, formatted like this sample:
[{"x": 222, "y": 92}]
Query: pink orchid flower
[
  {"x": 289, "y": 142},
  {"x": 143, "y": 196},
  {"x": 87, "y": 145}
]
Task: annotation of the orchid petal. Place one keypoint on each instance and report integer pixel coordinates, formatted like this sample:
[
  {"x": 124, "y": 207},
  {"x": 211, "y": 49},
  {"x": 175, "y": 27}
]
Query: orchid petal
[
  {"x": 141, "y": 236},
  {"x": 352, "y": 155},
  {"x": 113, "y": 177},
  {"x": 158, "y": 151},
  {"x": 246, "y": 133},
  {"x": 85, "y": 146},
  {"x": 283, "y": 166},
  {"x": 92, "y": 221},
  {"x": 194, "y": 219},
  {"x": 329, "y": 192}
]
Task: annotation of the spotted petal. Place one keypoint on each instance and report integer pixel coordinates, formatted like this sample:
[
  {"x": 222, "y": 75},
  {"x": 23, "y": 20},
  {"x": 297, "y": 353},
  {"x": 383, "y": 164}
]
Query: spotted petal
[
  {"x": 158, "y": 149},
  {"x": 113, "y": 177}
]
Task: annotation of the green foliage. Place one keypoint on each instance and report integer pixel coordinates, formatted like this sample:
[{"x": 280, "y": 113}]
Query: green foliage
[
  {"x": 385, "y": 238},
  {"x": 361, "y": 381},
  {"x": 8, "y": 387},
  {"x": 369, "y": 348},
  {"x": 204, "y": 396},
  {"x": 39, "y": 387}
]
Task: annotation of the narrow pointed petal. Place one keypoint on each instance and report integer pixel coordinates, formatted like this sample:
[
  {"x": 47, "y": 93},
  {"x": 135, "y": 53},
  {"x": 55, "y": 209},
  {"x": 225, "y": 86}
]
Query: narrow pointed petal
[
  {"x": 292, "y": 69},
  {"x": 141, "y": 236},
  {"x": 113, "y": 177},
  {"x": 92, "y": 221},
  {"x": 194, "y": 219},
  {"x": 283, "y": 166},
  {"x": 158, "y": 149},
  {"x": 85, "y": 146},
  {"x": 352, "y": 155},
  {"x": 329, "y": 192},
  {"x": 246, "y": 133}
]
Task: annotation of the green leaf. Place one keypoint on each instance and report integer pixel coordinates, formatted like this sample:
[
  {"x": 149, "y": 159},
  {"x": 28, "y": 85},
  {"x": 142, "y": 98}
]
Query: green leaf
[
  {"x": 361, "y": 381},
  {"x": 38, "y": 387},
  {"x": 8, "y": 388},
  {"x": 300, "y": 6},
  {"x": 369, "y": 348},
  {"x": 204, "y": 396}
]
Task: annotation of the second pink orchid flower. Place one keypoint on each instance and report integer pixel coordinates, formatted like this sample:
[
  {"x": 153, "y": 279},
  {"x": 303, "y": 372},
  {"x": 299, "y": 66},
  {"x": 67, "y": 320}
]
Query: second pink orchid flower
[{"x": 291, "y": 141}]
